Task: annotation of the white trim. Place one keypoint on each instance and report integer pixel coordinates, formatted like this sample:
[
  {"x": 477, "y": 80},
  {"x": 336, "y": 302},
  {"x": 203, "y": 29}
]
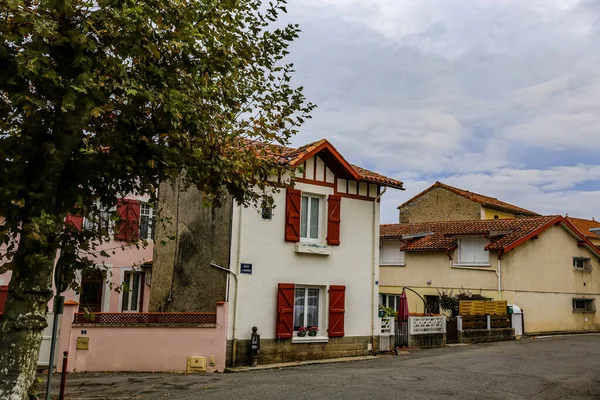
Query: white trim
[
  {"x": 321, "y": 220},
  {"x": 310, "y": 339},
  {"x": 321, "y": 319},
  {"x": 106, "y": 291},
  {"x": 122, "y": 279}
]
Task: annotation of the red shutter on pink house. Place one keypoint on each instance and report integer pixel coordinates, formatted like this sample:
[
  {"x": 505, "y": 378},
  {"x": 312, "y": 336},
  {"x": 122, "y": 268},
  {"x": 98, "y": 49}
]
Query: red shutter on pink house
[
  {"x": 285, "y": 311},
  {"x": 293, "y": 198},
  {"x": 337, "y": 304},
  {"x": 128, "y": 227},
  {"x": 334, "y": 204},
  {"x": 75, "y": 220}
]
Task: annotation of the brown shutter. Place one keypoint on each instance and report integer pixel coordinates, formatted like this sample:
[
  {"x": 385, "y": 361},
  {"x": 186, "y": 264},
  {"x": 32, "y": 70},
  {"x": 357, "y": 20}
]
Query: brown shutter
[
  {"x": 128, "y": 226},
  {"x": 285, "y": 311},
  {"x": 337, "y": 303},
  {"x": 3, "y": 297},
  {"x": 333, "y": 220},
  {"x": 74, "y": 220},
  {"x": 293, "y": 199}
]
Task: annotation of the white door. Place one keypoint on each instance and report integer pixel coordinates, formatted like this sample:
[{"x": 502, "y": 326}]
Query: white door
[{"x": 44, "y": 355}]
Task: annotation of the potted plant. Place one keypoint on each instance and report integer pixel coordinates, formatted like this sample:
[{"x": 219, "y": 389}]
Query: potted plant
[
  {"x": 302, "y": 331},
  {"x": 313, "y": 330}
]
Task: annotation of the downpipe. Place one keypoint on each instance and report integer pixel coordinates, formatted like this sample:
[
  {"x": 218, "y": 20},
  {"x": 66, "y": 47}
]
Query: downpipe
[
  {"x": 374, "y": 265},
  {"x": 237, "y": 285}
]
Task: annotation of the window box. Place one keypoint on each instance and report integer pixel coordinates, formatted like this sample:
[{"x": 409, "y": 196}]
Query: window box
[
  {"x": 313, "y": 248},
  {"x": 310, "y": 339}
]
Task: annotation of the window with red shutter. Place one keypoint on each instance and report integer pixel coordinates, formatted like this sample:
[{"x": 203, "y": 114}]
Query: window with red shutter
[
  {"x": 285, "y": 311},
  {"x": 333, "y": 220},
  {"x": 292, "y": 215},
  {"x": 128, "y": 226},
  {"x": 74, "y": 220},
  {"x": 337, "y": 304}
]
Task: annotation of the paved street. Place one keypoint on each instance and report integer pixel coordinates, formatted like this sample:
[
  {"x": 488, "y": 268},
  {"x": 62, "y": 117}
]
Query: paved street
[{"x": 562, "y": 367}]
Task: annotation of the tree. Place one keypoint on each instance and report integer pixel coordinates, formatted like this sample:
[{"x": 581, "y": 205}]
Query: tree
[{"x": 101, "y": 98}]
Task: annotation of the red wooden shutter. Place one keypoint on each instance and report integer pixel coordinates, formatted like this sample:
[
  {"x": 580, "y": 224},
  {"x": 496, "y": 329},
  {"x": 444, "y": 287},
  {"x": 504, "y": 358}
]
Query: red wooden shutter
[
  {"x": 75, "y": 220},
  {"x": 333, "y": 221},
  {"x": 128, "y": 227},
  {"x": 3, "y": 297},
  {"x": 337, "y": 303},
  {"x": 285, "y": 311},
  {"x": 293, "y": 198}
]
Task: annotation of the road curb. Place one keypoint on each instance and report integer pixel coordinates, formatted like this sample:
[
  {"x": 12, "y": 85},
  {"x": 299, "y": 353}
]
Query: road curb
[{"x": 300, "y": 363}]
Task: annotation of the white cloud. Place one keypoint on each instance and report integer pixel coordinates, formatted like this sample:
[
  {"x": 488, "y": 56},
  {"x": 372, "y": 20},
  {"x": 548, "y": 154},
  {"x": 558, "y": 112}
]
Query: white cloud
[{"x": 499, "y": 97}]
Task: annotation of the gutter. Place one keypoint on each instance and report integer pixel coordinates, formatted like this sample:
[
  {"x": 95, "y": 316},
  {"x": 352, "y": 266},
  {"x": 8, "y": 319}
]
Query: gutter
[{"x": 375, "y": 264}]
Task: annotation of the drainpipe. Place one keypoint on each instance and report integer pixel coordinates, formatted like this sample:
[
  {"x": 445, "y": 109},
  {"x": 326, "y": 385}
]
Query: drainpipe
[
  {"x": 498, "y": 274},
  {"x": 237, "y": 284},
  {"x": 374, "y": 265}
]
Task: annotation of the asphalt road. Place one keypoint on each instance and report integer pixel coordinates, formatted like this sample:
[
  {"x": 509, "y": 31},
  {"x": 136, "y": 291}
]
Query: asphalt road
[{"x": 560, "y": 367}]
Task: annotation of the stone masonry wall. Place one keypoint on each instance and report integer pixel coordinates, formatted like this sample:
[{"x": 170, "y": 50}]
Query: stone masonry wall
[
  {"x": 191, "y": 237},
  {"x": 439, "y": 204},
  {"x": 427, "y": 341},
  {"x": 486, "y": 335},
  {"x": 278, "y": 351}
]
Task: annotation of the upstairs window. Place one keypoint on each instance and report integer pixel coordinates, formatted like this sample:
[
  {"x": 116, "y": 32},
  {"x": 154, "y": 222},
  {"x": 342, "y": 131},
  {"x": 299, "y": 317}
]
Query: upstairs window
[
  {"x": 582, "y": 264},
  {"x": 147, "y": 220},
  {"x": 310, "y": 214},
  {"x": 584, "y": 305},
  {"x": 390, "y": 253},
  {"x": 472, "y": 251}
]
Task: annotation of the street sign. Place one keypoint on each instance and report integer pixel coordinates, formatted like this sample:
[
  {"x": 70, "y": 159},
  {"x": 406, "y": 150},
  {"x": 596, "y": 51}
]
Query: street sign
[{"x": 246, "y": 269}]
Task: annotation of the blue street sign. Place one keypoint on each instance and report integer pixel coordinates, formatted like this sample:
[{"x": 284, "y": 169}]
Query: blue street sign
[{"x": 246, "y": 269}]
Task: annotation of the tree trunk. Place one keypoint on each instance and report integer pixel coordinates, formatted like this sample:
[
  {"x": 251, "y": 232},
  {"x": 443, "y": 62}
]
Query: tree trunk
[{"x": 29, "y": 291}]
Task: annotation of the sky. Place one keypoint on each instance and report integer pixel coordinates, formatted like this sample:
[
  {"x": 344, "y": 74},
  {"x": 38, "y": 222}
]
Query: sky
[{"x": 497, "y": 97}]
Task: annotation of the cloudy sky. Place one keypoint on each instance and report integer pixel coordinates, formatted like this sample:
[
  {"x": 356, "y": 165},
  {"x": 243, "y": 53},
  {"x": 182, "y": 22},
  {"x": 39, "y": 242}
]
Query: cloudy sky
[{"x": 497, "y": 97}]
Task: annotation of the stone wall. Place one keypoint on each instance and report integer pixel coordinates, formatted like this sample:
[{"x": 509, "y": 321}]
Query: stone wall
[
  {"x": 278, "y": 351},
  {"x": 427, "y": 341},
  {"x": 486, "y": 335},
  {"x": 189, "y": 236},
  {"x": 439, "y": 205}
]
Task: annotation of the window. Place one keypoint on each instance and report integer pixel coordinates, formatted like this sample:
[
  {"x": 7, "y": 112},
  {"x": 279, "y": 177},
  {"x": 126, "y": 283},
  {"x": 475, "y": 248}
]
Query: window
[
  {"x": 309, "y": 218},
  {"x": 100, "y": 221},
  {"x": 433, "y": 304},
  {"x": 390, "y": 253},
  {"x": 584, "y": 305},
  {"x": 147, "y": 220},
  {"x": 582, "y": 264},
  {"x": 472, "y": 251},
  {"x": 389, "y": 300},
  {"x": 132, "y": 284},
  {"x": 90, "y": 293},
  {"x": 306, "y": 308}
]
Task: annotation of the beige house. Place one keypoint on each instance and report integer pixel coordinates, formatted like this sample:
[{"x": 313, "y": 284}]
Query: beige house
[
  {"x": 441, "y": 202},
  {"x": 544, "y": 265}
]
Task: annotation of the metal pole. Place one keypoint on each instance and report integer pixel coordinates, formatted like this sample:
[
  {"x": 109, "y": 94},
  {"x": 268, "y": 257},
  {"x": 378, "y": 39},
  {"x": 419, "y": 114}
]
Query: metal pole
[
  {"x": 52, "y": 347},
  {"x": 57, "y": 310},
  {"x": 63, "y": 377}
]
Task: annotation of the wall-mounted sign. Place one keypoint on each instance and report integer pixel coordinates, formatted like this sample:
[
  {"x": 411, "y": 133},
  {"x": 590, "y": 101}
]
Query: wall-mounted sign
[
  {"x": 83, "y": 343},
  {"x": 246, "y": 269}
]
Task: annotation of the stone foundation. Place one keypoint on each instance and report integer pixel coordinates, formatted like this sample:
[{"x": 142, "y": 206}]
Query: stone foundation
[
  {"x": 274, "y": 351},
  {"x": 486, "y": 335},
  {"x": 427, "y": 341}
]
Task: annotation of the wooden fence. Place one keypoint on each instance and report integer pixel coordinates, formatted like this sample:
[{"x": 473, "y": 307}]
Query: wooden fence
[{"x": 474, "y": 314}]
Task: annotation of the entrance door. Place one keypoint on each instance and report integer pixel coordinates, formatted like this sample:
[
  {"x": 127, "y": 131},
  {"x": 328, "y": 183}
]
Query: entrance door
[
  {"x": 44, "y": 354},
  {"x": 451, "y": 330}
]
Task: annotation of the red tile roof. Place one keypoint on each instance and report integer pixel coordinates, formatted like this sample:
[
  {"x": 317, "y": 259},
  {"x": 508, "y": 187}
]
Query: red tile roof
[
  {"x": 295, "y": 157},
  {"x": 481, "y": 199},
  {"x": 584, "y": 226},
  {"x": 504, "y": 234}
]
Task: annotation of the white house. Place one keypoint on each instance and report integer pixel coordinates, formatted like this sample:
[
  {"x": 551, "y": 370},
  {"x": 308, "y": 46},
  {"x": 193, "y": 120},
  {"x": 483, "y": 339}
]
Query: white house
[{"x": 309, "y": 261}]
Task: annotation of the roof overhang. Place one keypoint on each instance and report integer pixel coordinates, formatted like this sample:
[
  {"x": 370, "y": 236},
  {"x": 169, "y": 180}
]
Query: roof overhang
[{"x": 334, "y": 160}]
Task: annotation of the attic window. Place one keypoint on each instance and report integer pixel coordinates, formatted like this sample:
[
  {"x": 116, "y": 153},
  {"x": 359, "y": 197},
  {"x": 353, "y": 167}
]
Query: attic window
[
  {"x": 471, "y": 251},
  {"x": 582, "y": 264}
]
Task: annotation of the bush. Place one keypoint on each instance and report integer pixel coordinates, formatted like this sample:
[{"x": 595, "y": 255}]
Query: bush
[
  {"x": 450, "y": 301},
  {"x": 388, "y": 312}
]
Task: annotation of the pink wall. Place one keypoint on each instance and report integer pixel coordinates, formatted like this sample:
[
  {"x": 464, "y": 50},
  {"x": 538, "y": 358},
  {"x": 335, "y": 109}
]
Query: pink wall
[{"x": 142, "y": 349}]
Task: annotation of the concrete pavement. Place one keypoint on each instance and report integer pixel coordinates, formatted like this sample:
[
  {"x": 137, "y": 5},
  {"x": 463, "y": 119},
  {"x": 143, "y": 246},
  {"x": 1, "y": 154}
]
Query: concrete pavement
[{"x": 560, "y": 367}]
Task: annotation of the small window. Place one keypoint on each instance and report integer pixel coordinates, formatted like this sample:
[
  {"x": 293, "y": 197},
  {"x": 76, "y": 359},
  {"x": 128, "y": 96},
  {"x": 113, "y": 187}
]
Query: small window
[
  {"x": 584, "y": 305},
  {"x": 306, "y": 308},
  {"x": 310, "y": 214},
  {"x": 390, "y": 253},
  {"x": 390, "y": 300},
  {"x": 147, "y": 221},
  {"x": 472, "y": 251},
  {"x": 582, "y": 264},
  {"x": 132, "y": 284},
  {"x": 267, "y": 208}
]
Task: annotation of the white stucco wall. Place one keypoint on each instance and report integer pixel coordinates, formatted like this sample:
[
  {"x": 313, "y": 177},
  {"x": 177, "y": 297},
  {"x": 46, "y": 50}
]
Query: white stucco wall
[{"x": 275, "y": 261}]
